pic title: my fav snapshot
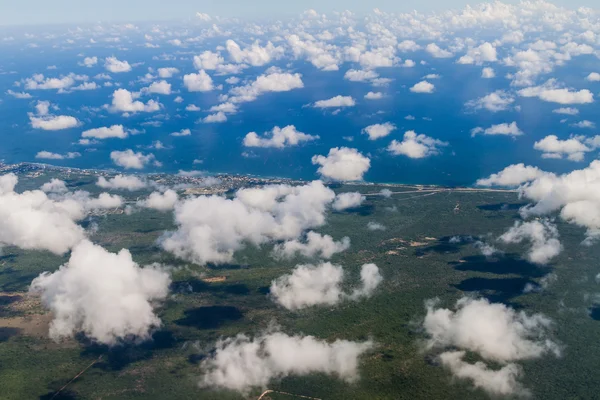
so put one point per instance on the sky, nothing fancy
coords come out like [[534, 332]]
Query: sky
[[72, 11]]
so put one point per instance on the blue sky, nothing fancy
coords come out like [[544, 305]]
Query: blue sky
[[72, 11]]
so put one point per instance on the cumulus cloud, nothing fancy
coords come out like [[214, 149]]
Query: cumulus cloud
[[494, 102], [160, 87], [551, 92], [114, 65], [415, 145], [215, 118], [164, 201], [105, 132], [55, 156], [593, 77], [543, 236], [374, 96], [314, 245], [342, 164], [513, 175], [485, 52], [336, 102], [255, 54], [123, 101], [494, 331], [566, 111], [77, 295], [504, 129], [122, 182], [53, 122], [167, 72], [488, 73], [347, 200], [129, 159], [89, 62], [377, 131], [212, 228], [278, 138], [200, 82], [423, 87], [183, 132], [241, 363], [273, 82], [360, 75], [312, 285], [573, 148], [438, 52]]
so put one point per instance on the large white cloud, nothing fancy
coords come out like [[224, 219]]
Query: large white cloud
[[212, 228], [53, 122], [164, 201], [105, 132], [513, 175], [415, 145], [573, 148], [114, 65], [124, 101], [485, 52], [255, 55], [107, 296], [273, 82], [346, 200], [543, 236], [200, 82], [342, 164], [552, 92], [311, 285], [241, 363], [278, 138]]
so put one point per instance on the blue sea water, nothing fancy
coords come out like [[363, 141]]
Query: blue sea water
[[441, 115]]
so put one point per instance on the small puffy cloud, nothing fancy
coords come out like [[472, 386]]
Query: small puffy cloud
[[167, 72], [46, 155], [129, 159], [374, 96], [423, 87], [513, 175], [486, 52], [200, 82], [494, 102], [160, 201], [488, 73], [312, 285], [203, 17], [314, 245], [408, 45], [551, 92], [438, 52], [255, 54], [342, 164], [543, 236], [89, 62], [336, 102], [114, 65], [123, 101], [161, 87], [241, 363], [19, 95], [54, 186], [504, 129], [105, 132], [552, 147], [278, 138], [183, 132], [122, 182], [273, 82], [375, 226], [566, 111], [53, 122], [377, 131], [215, 118], [347, 200], [77, 295], [208, 61], [360, 75], [40, 82], [593, 77], [415, 145], [584, 124]]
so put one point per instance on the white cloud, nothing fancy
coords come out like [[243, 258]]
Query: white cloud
[[360, 75], [39, 82], [278, 138], [54, 156], [438, 52], [213, 228], [53, 122], [54, 186], [161, 87], [114, 131], [254, 55], [183, 132], [19, 95], [112, 64], [504, 129], [566, 111], [584, 124], [494, 102], [488, 73], [167, 72], [123, 101], [215, 118], [408, 45], [313, 285], [415, 145], [200, 82], [486, 52], [160, 201], [120, 182], [241, 363], [208, 61], [129, 159], [89, 62], [593, 77], [336, 102], [342, 164], [513, 175], [543, 236], [551, 92], [77, 295], [377, 131], [374, 96], [375, 226], [314, 245], [273, 82], [346, 200], [573, 148], [423, 87]]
